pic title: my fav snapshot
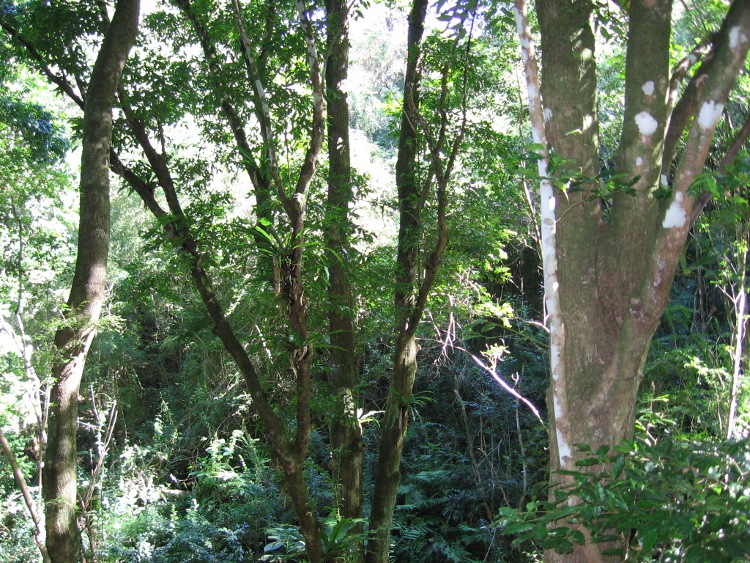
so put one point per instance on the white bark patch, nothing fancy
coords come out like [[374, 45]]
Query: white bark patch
[[523, 39], [547, 114], [664, 181], [639, 161], [519, 23], [736, 37], [646, 123], [709, 114], [532, 91], [676, 217], [648, 88]]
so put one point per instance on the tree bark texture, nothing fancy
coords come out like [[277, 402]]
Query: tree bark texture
[[87, 290], [394, 424], [346, 435], [614, 261]]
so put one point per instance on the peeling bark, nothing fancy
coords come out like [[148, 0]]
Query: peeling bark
[[548, 230]]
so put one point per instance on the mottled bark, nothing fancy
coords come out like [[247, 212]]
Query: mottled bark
[[736, 295], [615, 264], [346, 435], [394, 424], [87, 291]]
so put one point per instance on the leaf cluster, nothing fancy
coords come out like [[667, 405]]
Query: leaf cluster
[[670, 501]]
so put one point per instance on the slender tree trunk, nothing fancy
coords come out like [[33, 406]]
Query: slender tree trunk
[[394, 425], [346, 434], [739, 303], [30, 505], [87, 291], [290, 451]]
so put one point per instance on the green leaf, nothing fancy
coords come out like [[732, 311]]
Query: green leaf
[[517, 528], [539, 532]]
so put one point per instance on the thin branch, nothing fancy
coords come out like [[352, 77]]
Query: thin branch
[[264, 114], [235, 124], [505, 385], [35, 55], [21, 484], [737, 144], [319, 104], [442, 173]]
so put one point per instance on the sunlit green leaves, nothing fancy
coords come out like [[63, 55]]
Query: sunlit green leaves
[[672, 499]]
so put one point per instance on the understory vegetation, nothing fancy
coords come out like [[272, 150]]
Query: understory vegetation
[[176, 464]]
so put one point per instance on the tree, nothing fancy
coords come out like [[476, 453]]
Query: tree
[[87, 290], [414, 271], [609, 262], [346, 434]]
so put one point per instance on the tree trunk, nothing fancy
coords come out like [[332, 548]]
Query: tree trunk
[[394, 425], [738, 297], [87, 291], [346, 434], [609, 265]]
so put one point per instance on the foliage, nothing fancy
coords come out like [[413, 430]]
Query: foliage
[[670, 501], [286, 543], [188, 477], [222, 517]]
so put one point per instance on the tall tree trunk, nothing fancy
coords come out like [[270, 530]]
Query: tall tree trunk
[[608, 270], [87, 291], [346, 434], [394, 424]]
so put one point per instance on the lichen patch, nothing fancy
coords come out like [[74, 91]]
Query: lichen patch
[[736, 37], [709, 114], [676, 217], [646, 123]]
